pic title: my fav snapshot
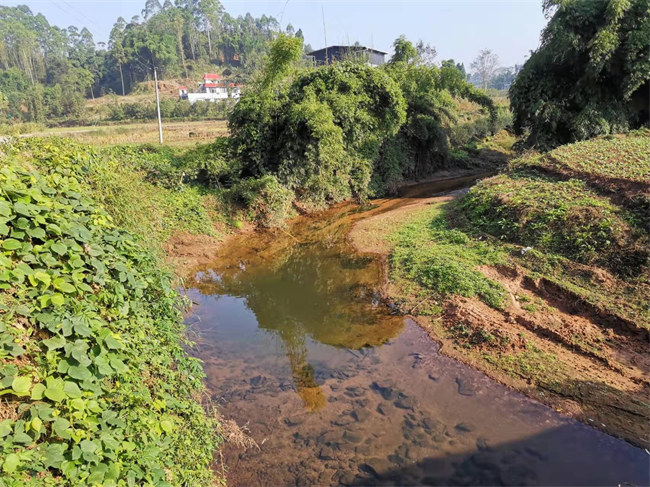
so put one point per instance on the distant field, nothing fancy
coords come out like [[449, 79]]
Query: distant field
[[174, 133]]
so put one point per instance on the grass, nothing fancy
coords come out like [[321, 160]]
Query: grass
[[620, 157], [567, 216], [444, 260], [133, 185], [176, 134]]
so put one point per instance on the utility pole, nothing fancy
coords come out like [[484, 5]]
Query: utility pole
[[155, 78]]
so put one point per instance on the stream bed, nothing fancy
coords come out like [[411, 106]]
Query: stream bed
[[335, 388]]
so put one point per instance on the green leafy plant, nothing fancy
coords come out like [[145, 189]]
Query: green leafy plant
[[99, 388]]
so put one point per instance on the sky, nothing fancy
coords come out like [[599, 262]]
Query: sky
[[458, 29]]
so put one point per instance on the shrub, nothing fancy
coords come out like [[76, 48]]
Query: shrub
[[269, 203]]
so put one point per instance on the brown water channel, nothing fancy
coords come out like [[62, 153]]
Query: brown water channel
[[336, 389]]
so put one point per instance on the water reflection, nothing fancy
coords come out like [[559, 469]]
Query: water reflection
[[312, 292]]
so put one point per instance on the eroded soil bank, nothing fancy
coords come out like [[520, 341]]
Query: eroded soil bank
[[558, 349], [337, 387]]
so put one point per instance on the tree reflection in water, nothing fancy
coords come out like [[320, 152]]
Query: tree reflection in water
[[307, 290]]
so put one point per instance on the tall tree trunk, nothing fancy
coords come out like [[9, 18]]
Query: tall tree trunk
[[209, 41], [122, 78], [179, 35]]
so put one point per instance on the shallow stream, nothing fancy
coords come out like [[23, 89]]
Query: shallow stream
[[337, 389]]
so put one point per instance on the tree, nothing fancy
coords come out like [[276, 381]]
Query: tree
[[117, 48], [485, 66], [590, 75], [426, 52], [404, 51]]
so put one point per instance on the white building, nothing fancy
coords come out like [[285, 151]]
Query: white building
[[213, 89]]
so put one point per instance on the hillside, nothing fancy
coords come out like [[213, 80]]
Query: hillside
[[539, 276]]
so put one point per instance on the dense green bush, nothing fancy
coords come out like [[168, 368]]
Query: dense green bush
[[267, 202], [170, 109], [590, 76], [138, 185], [346, 129], [318, 131], [99, 389]]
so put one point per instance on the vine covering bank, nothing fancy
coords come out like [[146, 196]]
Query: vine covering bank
[[97, 387]]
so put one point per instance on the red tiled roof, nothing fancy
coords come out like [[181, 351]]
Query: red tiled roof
[[211, 76], [182, 87], [213, 85]]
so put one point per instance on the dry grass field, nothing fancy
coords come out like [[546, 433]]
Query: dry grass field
[[174, 133]]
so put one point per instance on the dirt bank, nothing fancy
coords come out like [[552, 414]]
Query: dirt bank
[[544, 342]]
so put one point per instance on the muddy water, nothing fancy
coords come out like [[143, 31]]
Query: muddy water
[[336, 389]]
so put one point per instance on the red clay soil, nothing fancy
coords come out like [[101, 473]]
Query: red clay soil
[[546, 342]]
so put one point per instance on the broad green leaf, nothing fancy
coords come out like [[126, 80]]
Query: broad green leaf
[[37, 391], [54, 389], [59, 248], [5, 427], [36, 424], [11, 463], [11, 244], [43, 277], [37, 232], [54, 454], [113, 343], [21, 385], [54, 342], [72, 389], [79, 372], [57, 299], [167, 426], [63, 286], [60, 427], [119, 366]]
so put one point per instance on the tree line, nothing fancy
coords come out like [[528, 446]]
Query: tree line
[[48, 72]]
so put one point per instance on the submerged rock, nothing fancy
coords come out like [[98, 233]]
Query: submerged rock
[[405, 402], [464, 427], [377, 466], [464, 387]]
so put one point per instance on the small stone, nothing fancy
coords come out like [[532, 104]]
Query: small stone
[[343, 420], [294, 420], [377, 466], [405, 402], [354, 391], [481, 444], [352, 437], [464, 427], [258, 381], [347, 478], [326, 453], [361, 415], [385, 390], [384, 408], [434, 378], [464, 388], [330, 437]]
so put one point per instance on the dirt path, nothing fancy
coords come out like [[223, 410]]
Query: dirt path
[[545, 343]]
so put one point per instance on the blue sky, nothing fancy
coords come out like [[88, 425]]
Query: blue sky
[[457, 28]]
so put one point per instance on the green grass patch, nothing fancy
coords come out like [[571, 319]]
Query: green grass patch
[[151, 191], [530, 363], [444, 260], [565, 217], [619, 157], [97, 385]]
